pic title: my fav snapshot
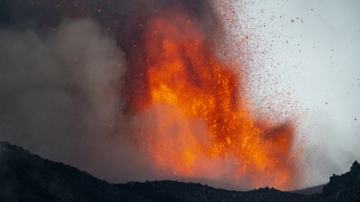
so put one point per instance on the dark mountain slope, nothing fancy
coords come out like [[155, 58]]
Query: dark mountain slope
[[310, 190], [27, 177], [161, 191]]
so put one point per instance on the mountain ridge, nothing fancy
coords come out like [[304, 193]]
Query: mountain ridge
[[28, 177]]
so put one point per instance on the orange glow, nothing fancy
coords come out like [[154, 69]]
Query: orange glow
[[201, 124]]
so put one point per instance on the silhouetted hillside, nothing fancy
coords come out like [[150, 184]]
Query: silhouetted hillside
[[28, 177]]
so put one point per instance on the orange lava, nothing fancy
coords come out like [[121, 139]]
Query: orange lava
[[201, 124]]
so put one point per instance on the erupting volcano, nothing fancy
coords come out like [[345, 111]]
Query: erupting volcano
[[195, 120], [144, 83]]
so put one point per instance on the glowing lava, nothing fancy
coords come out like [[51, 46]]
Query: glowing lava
[[199, 124]]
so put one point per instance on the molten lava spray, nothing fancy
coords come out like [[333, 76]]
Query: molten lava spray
[[196, 122], [138, 90]]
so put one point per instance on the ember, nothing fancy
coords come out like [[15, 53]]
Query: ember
[[197, 121], [160, 88]]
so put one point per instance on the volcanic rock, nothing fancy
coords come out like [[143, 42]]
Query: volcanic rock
[[193, 192], [28, 177], [345, 187]]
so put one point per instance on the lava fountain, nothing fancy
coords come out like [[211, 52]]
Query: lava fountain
[[184, 99], [196, 122]]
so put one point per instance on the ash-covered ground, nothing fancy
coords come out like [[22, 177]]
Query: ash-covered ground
[[28, 177]]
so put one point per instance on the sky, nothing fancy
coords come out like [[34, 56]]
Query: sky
[[319, 61]]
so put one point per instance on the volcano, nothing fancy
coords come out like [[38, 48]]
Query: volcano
[[161, 77]]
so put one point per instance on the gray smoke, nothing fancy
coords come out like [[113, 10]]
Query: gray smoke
[[62, 67], [59, 97]]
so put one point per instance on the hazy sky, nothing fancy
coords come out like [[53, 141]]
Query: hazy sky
[[320, 64]]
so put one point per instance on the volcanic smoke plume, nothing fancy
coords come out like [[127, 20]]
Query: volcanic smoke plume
[[137, 90]]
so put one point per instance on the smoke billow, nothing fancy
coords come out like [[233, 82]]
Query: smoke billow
[[59, 94], [62, 65]]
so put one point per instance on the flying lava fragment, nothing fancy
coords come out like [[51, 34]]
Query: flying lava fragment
[[199, 125]]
